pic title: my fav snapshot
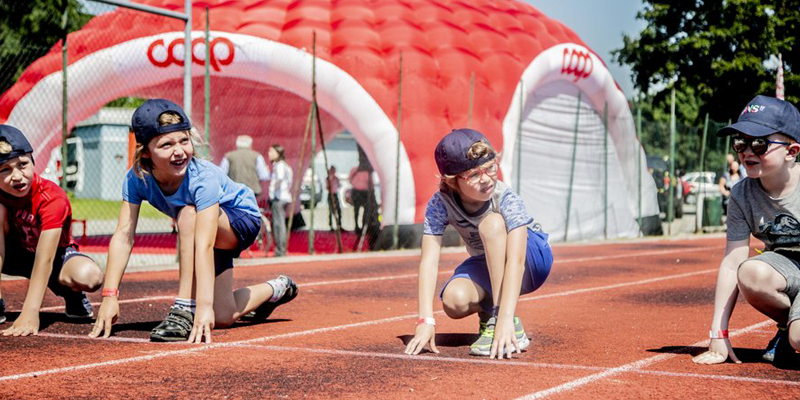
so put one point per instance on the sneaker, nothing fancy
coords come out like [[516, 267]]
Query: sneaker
[[263, 311], [175, 328], [78, 307], [483, 346], [2, 311]]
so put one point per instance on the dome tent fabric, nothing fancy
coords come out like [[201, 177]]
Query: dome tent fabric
[[261, 66]]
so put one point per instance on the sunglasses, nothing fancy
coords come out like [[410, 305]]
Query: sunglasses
[[475, 174], [759, 145]]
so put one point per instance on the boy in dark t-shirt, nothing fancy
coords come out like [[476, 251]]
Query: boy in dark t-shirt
[[35, 239], [766, 204]]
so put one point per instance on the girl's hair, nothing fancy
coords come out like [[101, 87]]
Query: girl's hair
[[447, 183], [142, 165], [280, 150]]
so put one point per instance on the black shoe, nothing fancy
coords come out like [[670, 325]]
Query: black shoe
[[2, 311], [265, 309], [78, 306], [175, 328]]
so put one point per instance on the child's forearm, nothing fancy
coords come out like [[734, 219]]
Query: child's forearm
[[42, 268], [204, 273], [428, 269], [509, 294], [119, 252], [727, 290]]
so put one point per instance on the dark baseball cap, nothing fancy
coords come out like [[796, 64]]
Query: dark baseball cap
[[19, 144], [451, 152], [145, 120], [765, 115]]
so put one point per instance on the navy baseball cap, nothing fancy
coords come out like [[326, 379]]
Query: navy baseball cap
[[451, 152], [145, 120], [764, 116], [19, 144]]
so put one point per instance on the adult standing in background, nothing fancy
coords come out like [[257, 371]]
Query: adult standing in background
[[362, 191], [245, 165], [279, 196]]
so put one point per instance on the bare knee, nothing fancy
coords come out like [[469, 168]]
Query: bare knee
[[492, 226], [223, 321], [84, 275], [794, 334], [186, 219], [757, 277], [456, 302]]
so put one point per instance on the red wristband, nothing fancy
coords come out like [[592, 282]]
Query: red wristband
[[720, 334], [110, 292], [428, 320]]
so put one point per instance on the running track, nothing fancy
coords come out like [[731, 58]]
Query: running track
[[613, 321]]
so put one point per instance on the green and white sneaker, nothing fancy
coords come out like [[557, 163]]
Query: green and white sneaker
[[483, 346]]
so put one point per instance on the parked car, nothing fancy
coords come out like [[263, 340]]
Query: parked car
[[305, 189], [659, 169], [700, 182]]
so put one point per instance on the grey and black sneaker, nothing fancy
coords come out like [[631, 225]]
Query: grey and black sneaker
[[2, 311], [175, 328], [483, 346], [78, 306], [263, 311]]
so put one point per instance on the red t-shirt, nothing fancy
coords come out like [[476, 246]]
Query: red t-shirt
[[45, 207]]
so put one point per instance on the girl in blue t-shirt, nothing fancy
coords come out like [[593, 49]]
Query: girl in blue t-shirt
[[509, 254], [216, 219]]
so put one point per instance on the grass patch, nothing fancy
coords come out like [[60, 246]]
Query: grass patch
[[93, 209]]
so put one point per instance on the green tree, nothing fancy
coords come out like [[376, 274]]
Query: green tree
[[722, 50], [29, 29]]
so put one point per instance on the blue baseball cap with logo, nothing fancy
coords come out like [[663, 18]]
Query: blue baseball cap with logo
[[145, 120], [19, 143], [765, 115], [451, 152]]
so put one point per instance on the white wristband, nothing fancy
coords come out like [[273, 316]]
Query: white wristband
[[427, 320]]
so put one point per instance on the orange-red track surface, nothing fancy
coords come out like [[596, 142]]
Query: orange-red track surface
[[613, 321]]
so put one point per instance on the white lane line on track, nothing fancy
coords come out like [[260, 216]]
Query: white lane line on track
[[471, 360], [631, 367], [501, 363], [308, 332], [407, 276]]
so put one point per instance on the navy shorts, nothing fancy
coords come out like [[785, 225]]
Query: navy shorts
[[538, 260], [19, 262], [246, 227]]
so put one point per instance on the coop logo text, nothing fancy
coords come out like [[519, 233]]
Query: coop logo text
[[577, 63], [163, 55]]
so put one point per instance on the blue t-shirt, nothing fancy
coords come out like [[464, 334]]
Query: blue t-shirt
[[203, 186]]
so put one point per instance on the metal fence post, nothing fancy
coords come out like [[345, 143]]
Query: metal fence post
[[572, 167]]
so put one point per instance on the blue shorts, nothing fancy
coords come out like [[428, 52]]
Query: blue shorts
[[538, 260], [246, 227]]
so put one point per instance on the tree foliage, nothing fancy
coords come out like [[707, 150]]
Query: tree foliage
[[29, 29], [722, 50]]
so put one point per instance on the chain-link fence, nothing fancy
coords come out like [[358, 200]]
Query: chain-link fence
[[335, 186]]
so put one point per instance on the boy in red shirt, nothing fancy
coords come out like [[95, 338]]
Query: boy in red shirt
[[35, 239]]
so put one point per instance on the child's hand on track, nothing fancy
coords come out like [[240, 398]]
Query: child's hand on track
[[107, 316], [426, 333], [504, 339], [26, 324], [718, 352], [203, 324]]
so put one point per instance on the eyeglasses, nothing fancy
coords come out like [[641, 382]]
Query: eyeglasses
[[475, 174], [759, 145]]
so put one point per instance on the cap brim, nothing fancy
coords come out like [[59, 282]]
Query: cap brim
[[748, 128]]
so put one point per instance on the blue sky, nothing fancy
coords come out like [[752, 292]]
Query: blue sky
[[600, 24]]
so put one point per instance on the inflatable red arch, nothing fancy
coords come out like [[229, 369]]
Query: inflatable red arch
[[262, 48]]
